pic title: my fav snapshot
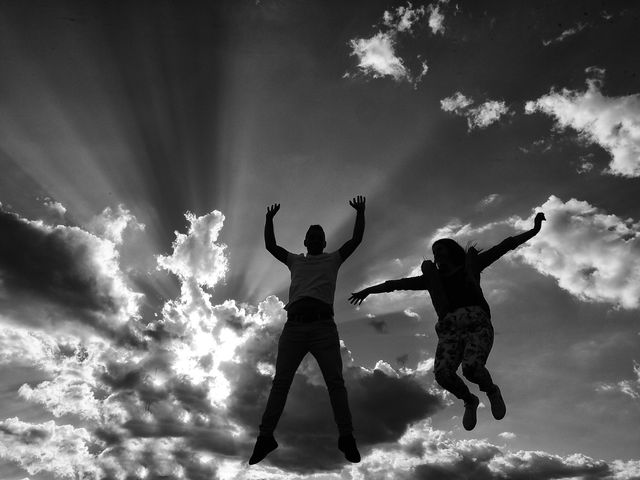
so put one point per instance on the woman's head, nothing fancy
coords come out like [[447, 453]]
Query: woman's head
[[447, 253]]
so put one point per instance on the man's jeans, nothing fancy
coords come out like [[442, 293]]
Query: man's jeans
[[319, 337]]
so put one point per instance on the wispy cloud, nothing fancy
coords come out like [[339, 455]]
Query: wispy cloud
[[627, 387], [611, 122], [569, 32], [477, 117]]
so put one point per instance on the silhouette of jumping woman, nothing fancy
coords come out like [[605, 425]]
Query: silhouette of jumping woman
[[310, 328], [465, 333]]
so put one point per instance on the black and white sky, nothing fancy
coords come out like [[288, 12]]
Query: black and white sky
[[140, 144]]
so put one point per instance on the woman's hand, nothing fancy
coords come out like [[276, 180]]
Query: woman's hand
[[358, 297]]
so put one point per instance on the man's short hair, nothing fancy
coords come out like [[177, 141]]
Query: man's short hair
[[317, 228]]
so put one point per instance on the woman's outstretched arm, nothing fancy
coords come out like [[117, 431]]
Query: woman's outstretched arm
[[487, 257]]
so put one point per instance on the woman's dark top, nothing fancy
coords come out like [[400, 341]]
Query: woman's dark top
[[462, 288]]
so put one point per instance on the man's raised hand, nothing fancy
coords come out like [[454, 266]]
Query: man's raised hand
[[272, 210], [358, 203]]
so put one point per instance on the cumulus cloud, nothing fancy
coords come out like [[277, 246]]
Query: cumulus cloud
[[436, 19], [593, 255], [477, 117], [61, 450], [60, 274], [378, 56], [403, 18], [611, 122], [196, 254], [188, 404]]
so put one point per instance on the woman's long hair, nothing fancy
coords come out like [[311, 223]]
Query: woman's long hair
[[465, 257], [456, 252]]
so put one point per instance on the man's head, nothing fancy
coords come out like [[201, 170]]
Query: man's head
[[315, 240]]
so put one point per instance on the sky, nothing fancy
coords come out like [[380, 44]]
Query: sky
[[140, 145]]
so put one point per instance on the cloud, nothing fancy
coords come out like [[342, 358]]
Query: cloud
[[491, 199], [403, 18], [424, 452], [188, 404], [593, 255], [60, 274], [377, 55], [60, 450], [627, 387], [610, 122], [55, 207], [196, 254], [436, 19], [507, 435], [569, 32], [477, 117]]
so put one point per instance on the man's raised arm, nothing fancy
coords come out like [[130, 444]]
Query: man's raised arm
[[358, 230], [270, 237]]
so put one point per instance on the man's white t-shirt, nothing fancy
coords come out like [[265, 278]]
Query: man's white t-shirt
[[313, 276]]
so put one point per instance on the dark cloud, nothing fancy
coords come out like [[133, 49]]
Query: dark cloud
[[379, 326], [473, 462], [52, 275]]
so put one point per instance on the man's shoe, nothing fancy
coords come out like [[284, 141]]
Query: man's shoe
[[264, 446], [498, 408], [469, 419], [347, 444]]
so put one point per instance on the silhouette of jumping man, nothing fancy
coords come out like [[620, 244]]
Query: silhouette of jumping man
[[465, 333], [310, 328]]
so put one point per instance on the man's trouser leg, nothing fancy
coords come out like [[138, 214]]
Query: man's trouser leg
[[292, 347], [325, 347]]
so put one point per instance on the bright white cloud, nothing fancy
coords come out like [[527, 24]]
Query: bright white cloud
[[403, 18], [507, 435], [611, 122], [55, 207], [436, 19], [196, 255], [377, 56], [456, 103], [477, 117], [190, 398], [593, 255], [61, 450], [111, 224], [487, 113]]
